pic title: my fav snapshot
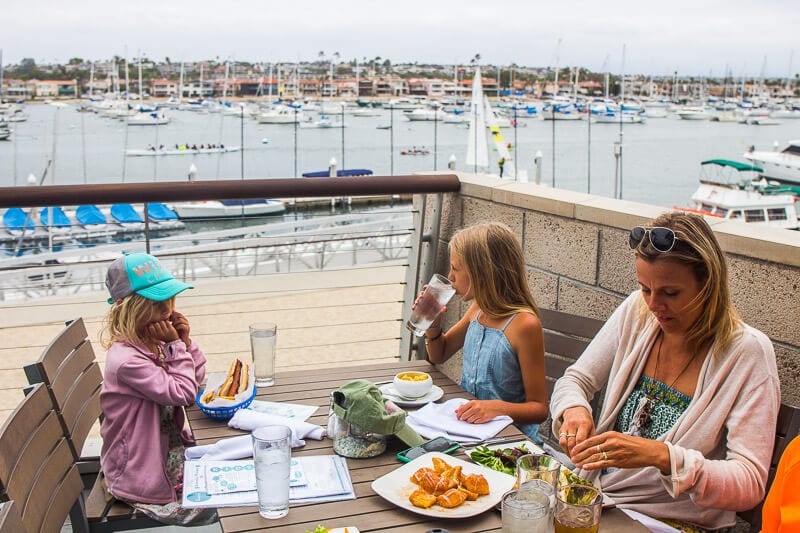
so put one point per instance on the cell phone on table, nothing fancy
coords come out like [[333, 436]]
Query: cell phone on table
[[439, 444]]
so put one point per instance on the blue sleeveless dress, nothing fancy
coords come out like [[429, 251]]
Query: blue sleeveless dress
[[491, 371]]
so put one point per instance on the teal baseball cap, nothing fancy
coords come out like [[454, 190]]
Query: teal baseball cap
[[144, 275]]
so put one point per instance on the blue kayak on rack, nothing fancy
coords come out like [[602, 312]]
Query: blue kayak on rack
[[90, 215], [125, 214], [60, 218], [160, 212], [15, 219]]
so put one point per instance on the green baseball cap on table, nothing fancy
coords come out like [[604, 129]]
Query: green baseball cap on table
[[361, 403]]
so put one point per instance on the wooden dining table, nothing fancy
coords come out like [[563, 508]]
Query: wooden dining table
[[369, 511]]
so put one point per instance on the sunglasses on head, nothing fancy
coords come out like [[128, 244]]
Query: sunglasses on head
[[662, 239]]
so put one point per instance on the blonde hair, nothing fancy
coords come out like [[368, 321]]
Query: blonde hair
[[697, 247], [119, 325], [494, 260]]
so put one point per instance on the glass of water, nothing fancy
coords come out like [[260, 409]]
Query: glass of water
[[527, 511], [272, 455], [262, 344]]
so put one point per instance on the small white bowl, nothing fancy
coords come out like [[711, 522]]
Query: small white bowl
[[412, 384]]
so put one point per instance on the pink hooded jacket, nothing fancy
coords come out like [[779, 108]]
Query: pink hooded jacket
[[134, 386]]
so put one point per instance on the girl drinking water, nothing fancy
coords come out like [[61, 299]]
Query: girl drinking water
[[500, 333]]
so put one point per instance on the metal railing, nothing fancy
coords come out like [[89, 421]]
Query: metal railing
[[358, 238]]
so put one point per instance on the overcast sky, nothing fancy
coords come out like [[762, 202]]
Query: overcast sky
[[692, 37]]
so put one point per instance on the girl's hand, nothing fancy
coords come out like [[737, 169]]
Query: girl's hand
[[478, 411], [163, 330], [181, 325], [576, 428], [621, 451]]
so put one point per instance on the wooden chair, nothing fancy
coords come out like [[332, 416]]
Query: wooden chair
[[788, 427], [73, 378], [72, 375], [566, 336], [37, 469]]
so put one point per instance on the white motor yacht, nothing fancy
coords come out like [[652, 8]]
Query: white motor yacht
[[723, 194], [783, 165]]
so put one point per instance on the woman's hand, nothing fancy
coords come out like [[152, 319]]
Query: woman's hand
[[479, 411], [181, 325], [163, 330], [578, 425], [613, 449]]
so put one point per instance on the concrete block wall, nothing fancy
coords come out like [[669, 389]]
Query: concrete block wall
[[579, 261]]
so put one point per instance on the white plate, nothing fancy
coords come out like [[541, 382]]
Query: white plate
[[396, 487], [389, 392], [531, 446]]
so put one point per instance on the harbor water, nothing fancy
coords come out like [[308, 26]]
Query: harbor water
[[659, 162]]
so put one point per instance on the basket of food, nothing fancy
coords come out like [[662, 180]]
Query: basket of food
[[227, 393]]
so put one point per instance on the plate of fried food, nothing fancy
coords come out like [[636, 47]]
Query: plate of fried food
[[441, 486]]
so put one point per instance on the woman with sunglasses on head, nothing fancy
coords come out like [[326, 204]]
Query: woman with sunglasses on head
[[687, 424]]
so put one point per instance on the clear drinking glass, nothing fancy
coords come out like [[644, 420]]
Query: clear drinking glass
[[272, 456], [578, 509], [262, 344], [527, 511], [538, 466], [435, 296]]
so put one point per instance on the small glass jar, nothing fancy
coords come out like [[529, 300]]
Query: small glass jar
[[352, 441]]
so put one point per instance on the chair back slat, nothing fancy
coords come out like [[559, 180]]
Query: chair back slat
[[63, 344], [73, 364], [49, 488], [20, 429], [10, 519], [81, 408]]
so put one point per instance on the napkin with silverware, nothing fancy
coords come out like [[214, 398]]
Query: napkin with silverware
[[437, 419], [242, 446]]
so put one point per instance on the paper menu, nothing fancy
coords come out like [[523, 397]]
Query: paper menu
[[326, 479], [223, 477], [289, 410]]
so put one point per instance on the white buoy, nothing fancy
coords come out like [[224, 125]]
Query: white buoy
[[192, 172], [451, 163]]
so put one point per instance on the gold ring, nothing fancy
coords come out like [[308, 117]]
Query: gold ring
[[570, 435], [605, 456]]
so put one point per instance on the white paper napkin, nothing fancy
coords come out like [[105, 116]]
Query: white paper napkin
[[440, 419], [224, 449], [249, 420]]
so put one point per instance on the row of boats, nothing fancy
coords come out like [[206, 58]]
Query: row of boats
[[91, 221]]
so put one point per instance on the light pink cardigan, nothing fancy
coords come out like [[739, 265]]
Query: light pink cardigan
[[134, 449], [720, 448]]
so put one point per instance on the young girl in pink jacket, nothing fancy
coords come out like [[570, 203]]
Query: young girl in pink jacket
[[153, 370]]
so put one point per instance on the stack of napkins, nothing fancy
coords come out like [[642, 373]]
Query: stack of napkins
[[439, 419]]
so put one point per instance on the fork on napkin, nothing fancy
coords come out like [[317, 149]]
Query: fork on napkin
[[242, 446], [435, 419]]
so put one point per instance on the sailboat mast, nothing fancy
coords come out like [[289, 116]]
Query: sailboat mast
[[141, 103], [180, 85], [1, 76], [91, 79]]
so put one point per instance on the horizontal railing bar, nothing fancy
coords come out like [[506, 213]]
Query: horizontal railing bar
[[51, 195]]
